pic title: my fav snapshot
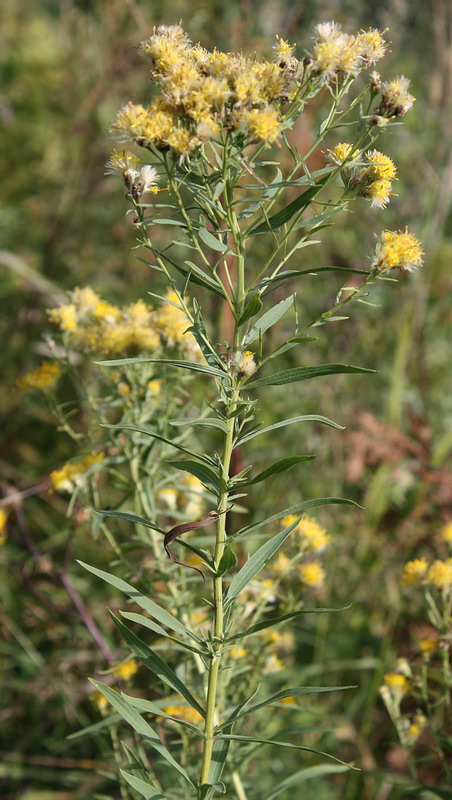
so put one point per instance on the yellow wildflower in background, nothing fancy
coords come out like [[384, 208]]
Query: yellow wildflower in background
[[398, 684], [440, 574], [339, 153], [281, 564], [72, 473], [427, 646], [43, 377], [272, 664], [397, 249], [101, 702], [126, 670], [3, 528], [186, 713], [237, 651], [415, 729], [312, 574], [446, 532], [414, 572], [171, 324], [312, 535]]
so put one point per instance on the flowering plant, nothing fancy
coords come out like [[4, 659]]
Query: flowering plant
[[206, 130]]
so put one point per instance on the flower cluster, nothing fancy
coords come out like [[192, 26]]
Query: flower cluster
[[73, 473], [203, 93], [420, 572], [338, 54], [311, 540], [95, 326], [397, 249], [369, 173], [43, 377]]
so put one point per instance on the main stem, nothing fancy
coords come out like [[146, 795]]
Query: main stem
[[218, 630]]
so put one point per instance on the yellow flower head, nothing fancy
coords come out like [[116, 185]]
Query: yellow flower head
[[244, 363], [340, 153], [397, 249], [283, 51], [446, 532], [186, 713], [427, 646], [414, 572], [312, 574], [272, 664], [281, 564], [440, 574], [312, 535], [73, 474], [44, 377], [395, 97], [381, 166], [3, 528], [335, 52], [264, 124], [398, 683], [99, 701], [372, 46], [415, 729], [126, 670]]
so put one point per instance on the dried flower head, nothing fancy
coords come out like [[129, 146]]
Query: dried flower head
[[395, 98]]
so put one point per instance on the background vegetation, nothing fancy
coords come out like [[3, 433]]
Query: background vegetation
[[66, 68]]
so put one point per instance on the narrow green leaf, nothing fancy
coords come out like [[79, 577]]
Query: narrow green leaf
[[305, 373], [287, 744], [200, 471], [252, 308], [275, 698], [317, 771], [152, 626], [148, 605], [298, 509], [103, 723], [196, 274], [305, 418], [228, 561], [257, 561], [152, 708], [279, 466], [154, 435], [267, 320], [170, 362], [281, 217], [156, 665], [269, 623], [202, 422], [127, 515], [296, 273], [211, 241], [130, 715], [142, 786]]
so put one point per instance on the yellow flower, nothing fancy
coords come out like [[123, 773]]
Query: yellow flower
[[72, 474], [339, 153], [414, 572], [65, 317], [186, 713], [264, 124], [126, 670], [335, 52], [312, 574], [397, 249], [372, 46], [283, 51], [168, 497], [281, 564], [312, 535], [382, 166], [415, 729], [99, 701], [440, 574], [238, 652], [283, 641], [44, 377], [427, 646], [395, 97], [446, 532], [289, 520], [373, 181], [3, 528], [398, 684]]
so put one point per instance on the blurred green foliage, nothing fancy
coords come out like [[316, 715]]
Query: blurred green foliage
[[66, 68]]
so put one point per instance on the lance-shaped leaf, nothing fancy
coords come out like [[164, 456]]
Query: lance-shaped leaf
[[156, 665], [298, 509], [268, 319], [287, 744], [257, 561], [151, 708], [154, 435], [142, 785], [269, 623], [170, 362], [211, 241], [103, 723], [279, 466], [158, 613], [202, 422], [306, 418], [197, 276], [152, 626], [252, 308], [275, 222], [316, 771], [275, 698], [200, 471], [305, 373], [132, 716]]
